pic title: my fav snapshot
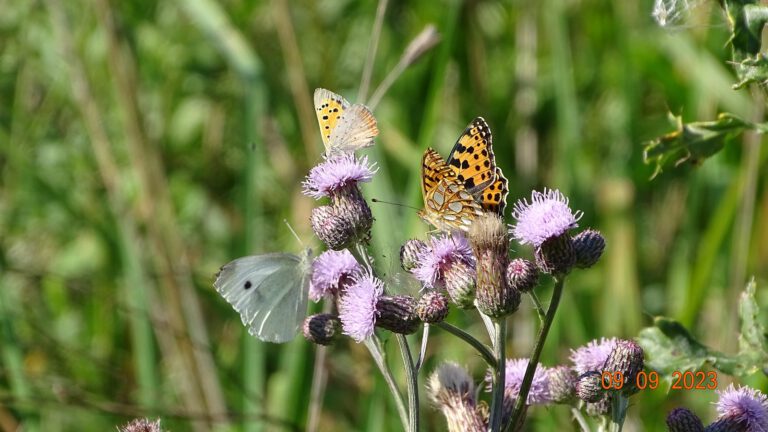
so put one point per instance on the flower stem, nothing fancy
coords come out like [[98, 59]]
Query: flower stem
[[525, 387], [579, 417], [468, 338], [497, 403], [619, 404], [372, 343], [423, 351], [539, 307], [413, 383]]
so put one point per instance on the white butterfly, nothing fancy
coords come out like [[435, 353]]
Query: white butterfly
[[269, 292], [345, 127]]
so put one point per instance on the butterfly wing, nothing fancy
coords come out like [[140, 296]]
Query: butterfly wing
[[472, 157], [329, 108], [447, 205], [355, 130], [494, 197], [269, 292]]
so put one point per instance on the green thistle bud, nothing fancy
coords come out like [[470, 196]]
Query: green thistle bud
[[460, 285], [556, 255], [322, 329], [432, 307], [489, 239], [522, 275], [397, 314], [683, 420], [562, 384], [411, 252], [589, 245], [589, 387]]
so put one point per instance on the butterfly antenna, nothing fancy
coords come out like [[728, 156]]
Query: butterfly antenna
[[394, 203], [285, 221]]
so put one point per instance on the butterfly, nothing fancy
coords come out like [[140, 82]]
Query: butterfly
[[345, 127], [458, 191], [269, 292]]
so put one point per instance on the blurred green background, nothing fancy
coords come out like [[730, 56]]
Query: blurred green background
[[144, 144]]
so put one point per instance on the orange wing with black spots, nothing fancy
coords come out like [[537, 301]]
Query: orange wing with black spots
[[472, 157], [447, 205], [494, 197], [344, 127]]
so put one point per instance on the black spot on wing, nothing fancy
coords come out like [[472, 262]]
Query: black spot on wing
[[247, 284]]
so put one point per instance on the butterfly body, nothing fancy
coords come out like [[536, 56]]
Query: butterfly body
[[458, 191], [344, 127], [269, 292]]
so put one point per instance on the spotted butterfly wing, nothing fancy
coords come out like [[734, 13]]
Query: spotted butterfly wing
[[344, 127], [447, 205], [269, 292], [494, 197], [472, 157]]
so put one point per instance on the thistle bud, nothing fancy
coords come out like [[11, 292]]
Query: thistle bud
[[490, 243], [627, 358], [411, 252], [322, 329], [460, 284], [397, 314], [335, 231], [556, 255], [683, 420], [727, 425], [588, 245], [432, 307], [562, 384], [452, 390], [589, 387], [522, 275], [351, 206], [599, 408]]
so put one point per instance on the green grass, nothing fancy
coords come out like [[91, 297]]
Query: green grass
[[139, 157]]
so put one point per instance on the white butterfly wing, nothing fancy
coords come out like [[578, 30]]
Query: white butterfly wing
[[269, 292], [356, 130]]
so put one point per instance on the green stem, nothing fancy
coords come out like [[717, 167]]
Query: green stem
[[497, 403], [579, 417], [525, 387], [619, 404], [413, 383], [537, 304], [372, 343], [468, 338]]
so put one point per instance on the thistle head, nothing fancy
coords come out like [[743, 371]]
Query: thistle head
[[357, 306], [331, 271], [397, 314], [432, 307], [684, 420], [745, 407], [322, 329], [588, 246]]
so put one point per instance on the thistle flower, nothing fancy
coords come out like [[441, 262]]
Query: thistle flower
[[626, 357], [744, 407], [683, 420], [545, 217], [142, 425], [592, 356], [432, 307], [522, 275], [357, 306], [490, 244], [322, 329], [588, 245], [331, 271], [513, 379], [337, 173], [589, 387], [561, 382], [397, 314], [449, 263], [444, 251], [452, 390], [411, 252]]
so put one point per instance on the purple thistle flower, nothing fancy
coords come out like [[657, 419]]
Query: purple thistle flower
[[337, 173], [545, 217], [592, 356], [513, 379], [357, 307], [747, 406], [329, 271], [442, 253]]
